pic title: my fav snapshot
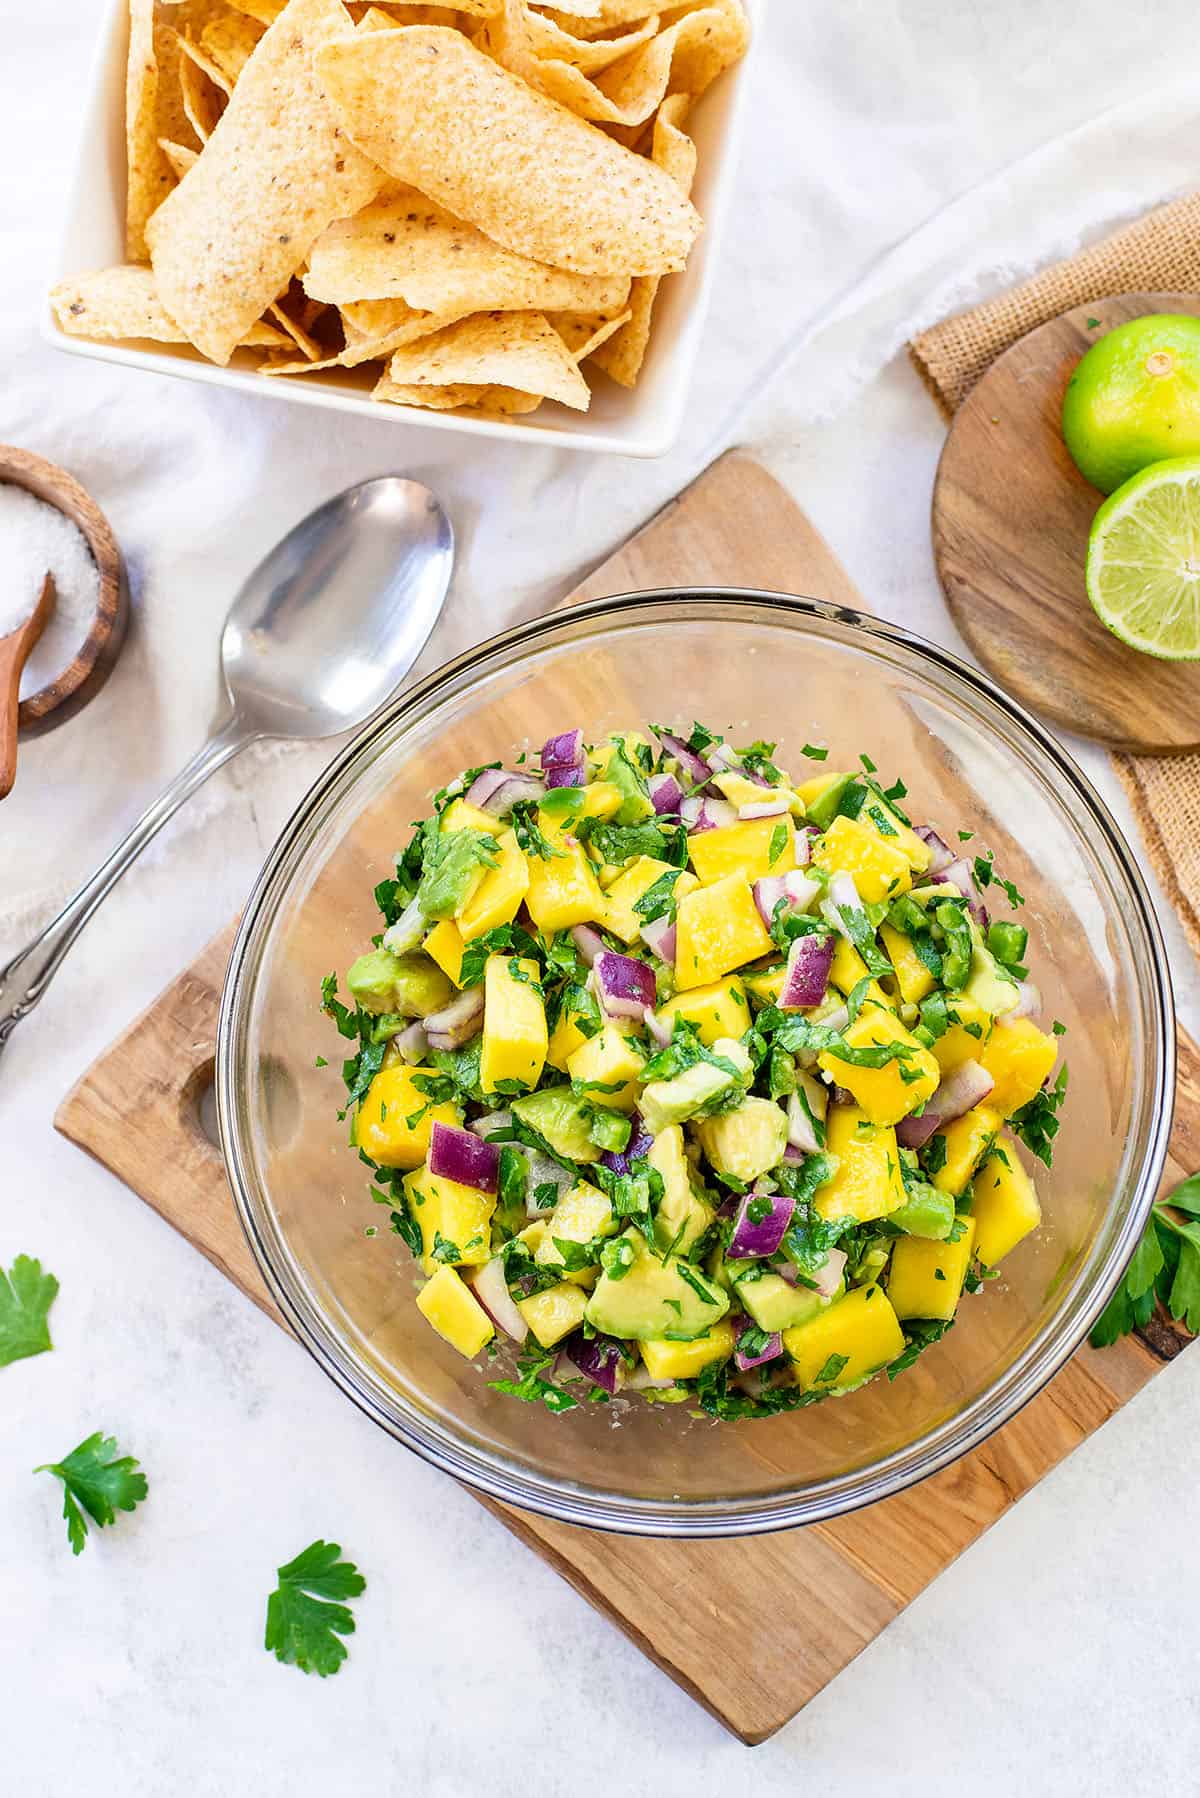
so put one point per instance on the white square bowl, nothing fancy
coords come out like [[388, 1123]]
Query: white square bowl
[[642, 422]]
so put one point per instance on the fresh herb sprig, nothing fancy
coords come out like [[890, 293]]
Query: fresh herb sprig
[[1165, 1270]]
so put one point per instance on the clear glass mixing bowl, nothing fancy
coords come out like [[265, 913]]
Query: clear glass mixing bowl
[[759, 665]]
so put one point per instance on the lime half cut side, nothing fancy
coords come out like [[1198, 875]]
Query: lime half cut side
[[1143, 562]]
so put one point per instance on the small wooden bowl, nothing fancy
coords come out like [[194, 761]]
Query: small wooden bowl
[[83, 678]]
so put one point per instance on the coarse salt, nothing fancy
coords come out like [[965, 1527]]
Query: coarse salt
[[37, 539]]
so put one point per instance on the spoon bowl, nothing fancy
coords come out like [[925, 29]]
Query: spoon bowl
[[332, 617]]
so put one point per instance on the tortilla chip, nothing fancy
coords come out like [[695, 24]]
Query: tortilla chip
[[118, 303], [277, 172], [148, 180], [584, 332], [460, 397], [230, 42], [403, 246], [435, 112], [203, 100], [687, 57], [179, 156], [589, 54], [506, 349], [265, 11], [202, 60], [675, 153], [589, 18], [378, 328], [411, 12]]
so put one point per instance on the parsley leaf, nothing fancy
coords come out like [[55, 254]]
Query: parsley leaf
[[1165, 1267], [532, 1385], [305, 1618], [96, 1480], [1037, 1124], [26, 1295], [813, 753]]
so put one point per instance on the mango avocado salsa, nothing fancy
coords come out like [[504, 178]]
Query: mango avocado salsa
[[693, 1082]]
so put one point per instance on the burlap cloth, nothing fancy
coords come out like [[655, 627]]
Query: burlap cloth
[[1158, 254]]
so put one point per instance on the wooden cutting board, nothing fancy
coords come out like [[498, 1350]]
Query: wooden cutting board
[[706, 1612], [1011, 519]]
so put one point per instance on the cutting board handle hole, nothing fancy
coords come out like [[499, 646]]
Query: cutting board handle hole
[[198, 1104]]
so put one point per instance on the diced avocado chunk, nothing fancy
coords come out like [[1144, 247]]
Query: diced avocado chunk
[[823, 809], [455, 863], [636, 803], [665, 1102], [372, 980], [683, 1217], [771, 1301], [652, 1299], [747, 1142], [562, 1119], [928, 1212], [988, 985]]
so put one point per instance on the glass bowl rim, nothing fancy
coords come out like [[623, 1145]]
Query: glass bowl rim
[[1031, 1370]]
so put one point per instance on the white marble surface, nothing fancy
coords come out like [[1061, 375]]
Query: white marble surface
[[1054, 1657]]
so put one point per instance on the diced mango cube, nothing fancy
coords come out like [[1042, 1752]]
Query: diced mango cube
[[566, 1037], [538, 1240], [879, 870], [497, 898], [684, 1360], [608, 1066], [967, 1140], [460, 814], [563, 889], [582, 1214], [445, 945], [1004, 1203], [970, 1028], [1019, 1057], [514, 1022], [717, 929], [848, 968], [455, 1313], [766, 983], [913, 978], [810, 790], [879, 817], [845, 1344], [455, 1220], [753, 847], [891, 1092], [554, 1313], [926, 1278], [867, 1183], [721, 1009], [395, 1118], [630, 886]]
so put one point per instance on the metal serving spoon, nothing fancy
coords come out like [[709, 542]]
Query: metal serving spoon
[[319, 637]]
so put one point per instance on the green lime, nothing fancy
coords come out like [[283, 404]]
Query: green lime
[[1135, 399], [1143, 562]]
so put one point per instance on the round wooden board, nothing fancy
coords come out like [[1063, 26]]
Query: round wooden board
[[1011, 516]]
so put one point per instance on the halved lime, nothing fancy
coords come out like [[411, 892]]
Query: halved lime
[[1143, 562], [1135, 398]]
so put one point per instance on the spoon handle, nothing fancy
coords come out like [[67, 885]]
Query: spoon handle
[[25, 978]]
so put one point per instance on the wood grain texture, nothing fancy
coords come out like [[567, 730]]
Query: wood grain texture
[[1011, 517], [14, 653], [96, 656], [705, 1612]]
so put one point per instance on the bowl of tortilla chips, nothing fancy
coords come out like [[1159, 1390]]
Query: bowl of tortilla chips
[[498, 216]]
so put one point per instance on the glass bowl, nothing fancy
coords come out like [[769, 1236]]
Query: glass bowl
[[757, 665]]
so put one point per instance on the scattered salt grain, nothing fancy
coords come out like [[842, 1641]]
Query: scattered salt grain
[[36, 539]]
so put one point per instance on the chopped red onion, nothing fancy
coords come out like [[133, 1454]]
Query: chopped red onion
[[802, 844], [544, 1172], [1028, 1005], [497, 790], [765, 808], [491, 1289], [564, 777], [492, 1123], [796, 889], [658, 1027], [842, 892], [793, 1156], [801, 1131], [940, 856], [459, 1155], [598, 1358], [563, 751], [625, 987], [641, 1380], [693, 765], [828, 1276], [966, 1087], [699, 813], [665, 792], [751, 1239], [961, 875], [458, 1023], [807, 981], [407, 931], [720, 755], [741, 1323], [659, 938], [412, 1045], [589, 942]]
